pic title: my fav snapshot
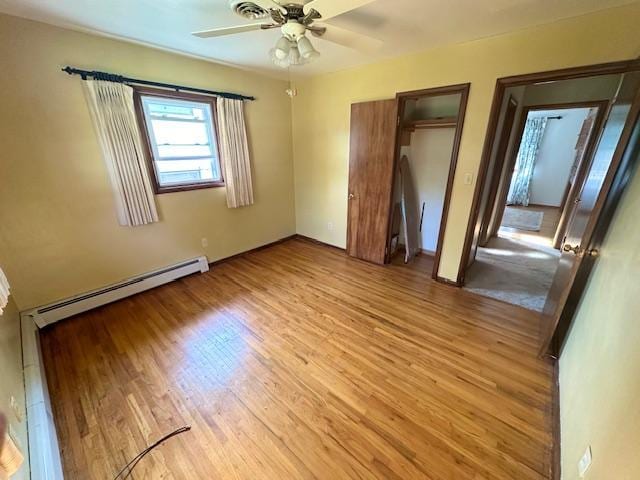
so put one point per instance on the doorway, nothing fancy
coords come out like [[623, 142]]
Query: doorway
[[428, 139], [517, 258], [595, 185], [402, 162]]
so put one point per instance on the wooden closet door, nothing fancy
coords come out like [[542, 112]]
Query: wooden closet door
[[372, 149]]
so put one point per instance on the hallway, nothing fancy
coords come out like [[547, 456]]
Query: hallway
[[518, 265], [514, 271]]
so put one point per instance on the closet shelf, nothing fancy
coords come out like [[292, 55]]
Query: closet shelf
[[441, 122]]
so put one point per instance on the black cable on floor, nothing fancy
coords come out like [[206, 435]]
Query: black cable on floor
[[134, 461]]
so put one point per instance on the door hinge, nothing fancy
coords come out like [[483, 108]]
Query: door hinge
[[398, 121]]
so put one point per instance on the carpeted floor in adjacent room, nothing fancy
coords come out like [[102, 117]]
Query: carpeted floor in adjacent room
[[513, 271]]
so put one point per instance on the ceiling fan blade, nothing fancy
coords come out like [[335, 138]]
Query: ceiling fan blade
[[219, 32], [270, 4], [348, 38], [333, 8]]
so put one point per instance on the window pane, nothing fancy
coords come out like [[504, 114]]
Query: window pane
[[182, 139], [173, 151], [158, 109], [186, 171], [168, 132]]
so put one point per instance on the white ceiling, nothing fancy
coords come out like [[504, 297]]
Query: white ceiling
[[403, 25]]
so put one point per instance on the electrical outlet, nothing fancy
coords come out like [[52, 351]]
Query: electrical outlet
[[330, 226], [204, 242], [585, 462]]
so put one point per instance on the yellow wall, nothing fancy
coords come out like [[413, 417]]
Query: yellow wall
[[12, 382], [59, 235], [600, 363], [58, 232], [321, 109]]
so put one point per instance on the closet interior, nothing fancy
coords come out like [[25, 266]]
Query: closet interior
[[402, 160], [427, 137]]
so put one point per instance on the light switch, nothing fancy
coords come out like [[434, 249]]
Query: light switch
[[468, 178]]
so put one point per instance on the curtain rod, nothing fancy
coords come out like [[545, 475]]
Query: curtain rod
[[110, 77]]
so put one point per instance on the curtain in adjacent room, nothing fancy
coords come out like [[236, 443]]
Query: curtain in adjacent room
[[234, 152], [113, 115], [520, 187]]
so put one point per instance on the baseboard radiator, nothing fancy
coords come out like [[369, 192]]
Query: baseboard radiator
[[44, 453], [53, 312]]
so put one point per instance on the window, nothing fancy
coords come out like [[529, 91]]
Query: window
[[181, 139]]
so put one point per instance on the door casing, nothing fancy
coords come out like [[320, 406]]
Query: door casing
[[402, 97], [502, 190], [501, 85]]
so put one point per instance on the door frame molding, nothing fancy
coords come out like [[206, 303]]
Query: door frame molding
[[502, 156], [514, 81], [401, 98], [601, 105]]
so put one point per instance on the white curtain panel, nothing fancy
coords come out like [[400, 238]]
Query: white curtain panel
[[114, 119], [4, 291], [234, 152]]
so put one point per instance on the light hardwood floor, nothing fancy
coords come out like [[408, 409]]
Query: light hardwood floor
[[298, 362]]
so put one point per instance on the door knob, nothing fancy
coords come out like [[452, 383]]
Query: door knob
[[575, 249], [351, 195]]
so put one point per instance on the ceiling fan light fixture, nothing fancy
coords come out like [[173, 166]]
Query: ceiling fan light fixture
[[306, 49], [294, 56], [280, 62], [296, 19], [293, 59], [283, 48]]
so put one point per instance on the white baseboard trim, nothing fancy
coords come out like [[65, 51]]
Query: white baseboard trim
[[44, 454], [51, 313]]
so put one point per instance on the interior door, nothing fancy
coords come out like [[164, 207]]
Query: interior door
[[487, 230], [371, 164], [612, 144]]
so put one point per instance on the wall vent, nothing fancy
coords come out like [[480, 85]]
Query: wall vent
[[248, 10]]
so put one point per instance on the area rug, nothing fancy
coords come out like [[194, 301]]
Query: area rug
[[522, 219]]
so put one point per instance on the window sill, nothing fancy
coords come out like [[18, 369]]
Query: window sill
[[185, 187]]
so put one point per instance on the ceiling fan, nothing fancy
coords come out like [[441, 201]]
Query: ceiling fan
[[295, 20]]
